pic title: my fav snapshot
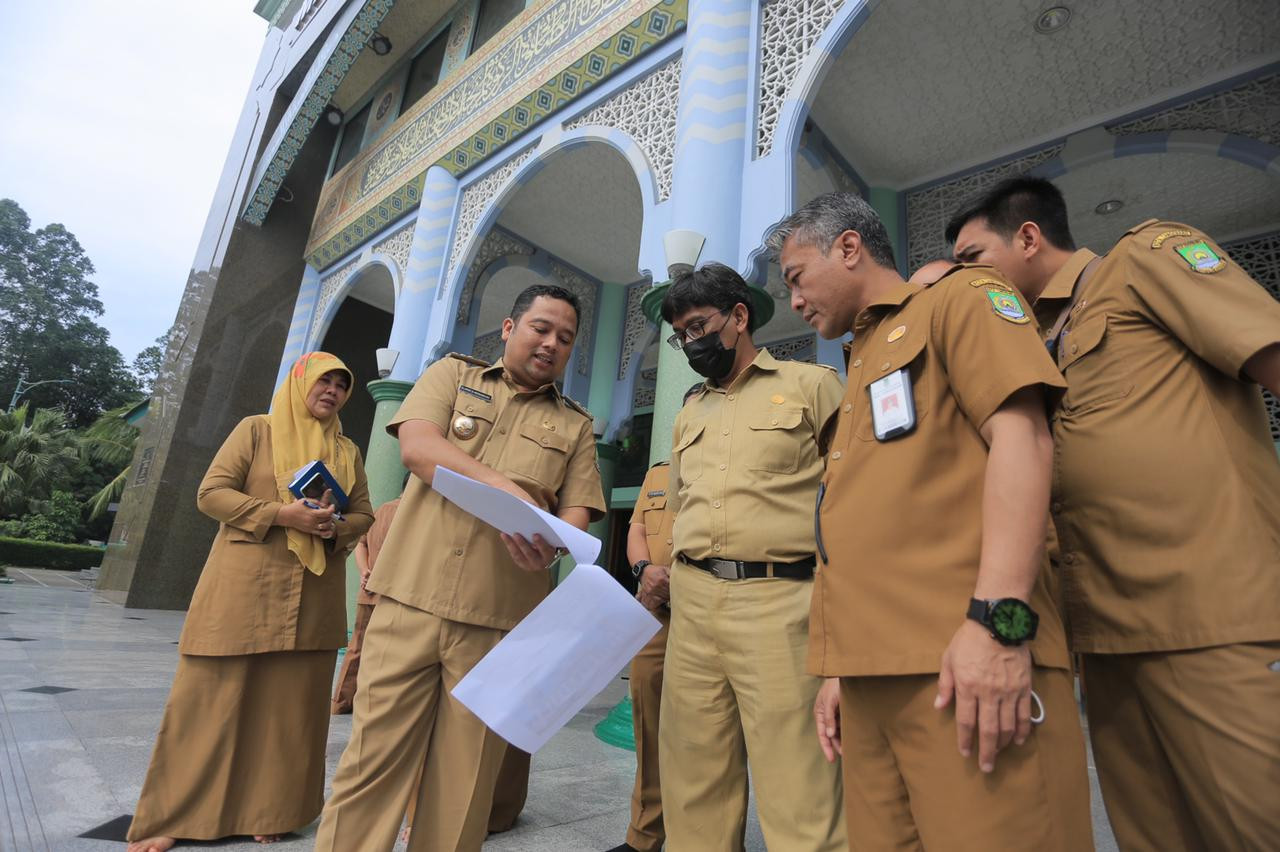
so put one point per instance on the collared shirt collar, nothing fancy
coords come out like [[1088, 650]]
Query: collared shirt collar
[[895, 297], [500, 368], [1063, 282], [762, 361]]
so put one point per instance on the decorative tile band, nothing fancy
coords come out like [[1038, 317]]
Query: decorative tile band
[[335, 70], [347, 212]]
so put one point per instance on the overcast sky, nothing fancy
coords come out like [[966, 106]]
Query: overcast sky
[[115, 119]]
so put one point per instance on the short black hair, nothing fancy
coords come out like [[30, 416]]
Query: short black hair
[[712, 284], [1013, 201], [821, 221], [551, 291]]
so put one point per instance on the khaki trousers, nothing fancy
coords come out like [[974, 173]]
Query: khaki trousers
[[405, 723], [1187, 745], [736, 690], [645, 831], [345, 692], [908, 788]]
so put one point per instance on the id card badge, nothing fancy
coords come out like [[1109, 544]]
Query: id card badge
[[893, 410]]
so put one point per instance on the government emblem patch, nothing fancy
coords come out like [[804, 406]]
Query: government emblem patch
[[1007, 306]]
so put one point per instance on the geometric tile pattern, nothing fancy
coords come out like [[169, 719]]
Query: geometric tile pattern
[[636, 327], [344, 56], [497, 243], [397, 246], [329, 287], [645, 111], [1260, 257], [1249, 109], [802, 347], [475, 200], [466, 123], [585, 289], [487, 347], [788, 30], [606, 58], [646, 390]]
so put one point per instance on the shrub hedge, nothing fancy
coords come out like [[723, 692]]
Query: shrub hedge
[[46, 554]]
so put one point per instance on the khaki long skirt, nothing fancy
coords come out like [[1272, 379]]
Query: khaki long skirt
[[241, 747]]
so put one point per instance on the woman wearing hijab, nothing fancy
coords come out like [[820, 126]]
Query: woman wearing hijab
[[241, 747]]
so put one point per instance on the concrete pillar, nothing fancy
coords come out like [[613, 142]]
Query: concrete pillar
[[888, 204], [426, 265], [711, 144]]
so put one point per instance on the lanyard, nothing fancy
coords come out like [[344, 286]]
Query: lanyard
[[1051, 342]]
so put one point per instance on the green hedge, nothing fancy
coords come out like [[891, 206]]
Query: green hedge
[[46, 554]]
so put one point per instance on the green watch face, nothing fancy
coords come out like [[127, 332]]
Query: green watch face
[[1011, 619]]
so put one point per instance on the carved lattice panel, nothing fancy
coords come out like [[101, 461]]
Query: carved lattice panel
[[788, 30]]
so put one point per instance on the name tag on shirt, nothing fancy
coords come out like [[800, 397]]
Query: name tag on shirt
[[893, 411]]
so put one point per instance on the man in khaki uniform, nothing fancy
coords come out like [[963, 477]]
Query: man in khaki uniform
[[649, 552], [744, 471], [452, 586], [943, 420], [1166, 488]]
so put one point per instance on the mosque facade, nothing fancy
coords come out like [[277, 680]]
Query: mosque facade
[[402, 168]]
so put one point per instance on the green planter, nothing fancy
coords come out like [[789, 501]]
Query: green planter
[[616, 728]]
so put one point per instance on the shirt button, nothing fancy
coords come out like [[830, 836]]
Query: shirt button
[[716, 504], [1069, 558], [502, 430], [857, 362], [1074, 349], [848, 406], [836, 454], [457, 552], [730, 397], [723, 466], [1056, 508], [471, 408], [774, 421], [724, 431], [716, 548], [668, 541], [884, 366]]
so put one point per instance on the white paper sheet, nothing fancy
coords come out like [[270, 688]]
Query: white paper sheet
[[557, 659], [512, 515]]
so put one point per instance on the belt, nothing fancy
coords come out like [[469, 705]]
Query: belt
[[730, 569]]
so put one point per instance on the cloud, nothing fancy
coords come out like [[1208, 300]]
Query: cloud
[[117, 121]]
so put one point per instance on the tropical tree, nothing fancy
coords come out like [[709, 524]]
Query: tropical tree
[[36, 457], [110, 442]]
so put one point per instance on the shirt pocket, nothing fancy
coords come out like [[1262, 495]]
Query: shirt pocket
[[687, 452], [910, 354], [652, 509], [775, 441], [541, 455], [1085, 361]]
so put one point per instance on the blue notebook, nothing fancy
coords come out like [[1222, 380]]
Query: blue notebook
[[313, 480]]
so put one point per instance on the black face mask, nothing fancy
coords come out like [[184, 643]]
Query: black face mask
[[708, 357]]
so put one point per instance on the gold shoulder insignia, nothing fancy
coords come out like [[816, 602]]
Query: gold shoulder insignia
[[991, 282], [475, 362], [576, 406], [1164, 236]]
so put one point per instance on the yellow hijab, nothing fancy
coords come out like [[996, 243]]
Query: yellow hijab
[[298, 438]]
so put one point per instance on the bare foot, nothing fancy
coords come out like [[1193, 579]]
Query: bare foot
[[152, 844], [268, 838]]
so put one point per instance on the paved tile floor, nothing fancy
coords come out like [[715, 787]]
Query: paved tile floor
[[80, 703]]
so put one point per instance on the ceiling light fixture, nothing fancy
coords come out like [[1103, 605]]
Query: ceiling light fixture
[[1108, 207], [333, 115], [381, 44], [1052, 19]]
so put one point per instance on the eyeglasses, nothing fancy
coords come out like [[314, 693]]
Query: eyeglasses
[[693, 331]]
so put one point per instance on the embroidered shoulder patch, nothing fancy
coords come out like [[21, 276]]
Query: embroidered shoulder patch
[[1166, 235], [1200, 257], [991, 282], [1007, 306]]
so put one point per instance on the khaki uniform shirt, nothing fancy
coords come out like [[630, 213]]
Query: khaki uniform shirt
[[254, 596], [1166, 484], [445, 561], [374, 539], [651, 510], [901, 520], [746, 464]]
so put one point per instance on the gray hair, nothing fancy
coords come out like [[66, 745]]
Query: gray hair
[[821, 221]]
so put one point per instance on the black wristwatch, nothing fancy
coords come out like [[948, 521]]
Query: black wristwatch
[[638, 568], [1009, 620]]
